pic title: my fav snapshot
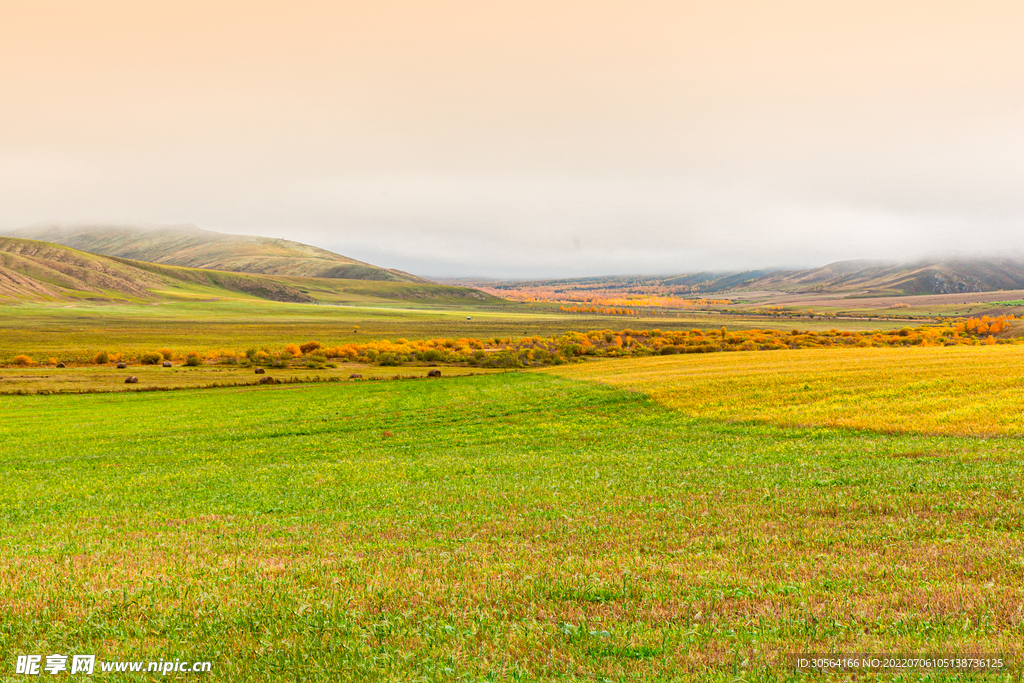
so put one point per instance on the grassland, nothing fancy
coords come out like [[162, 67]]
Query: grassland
[[107, 378], [508, 527], [661, 518], [208, 322], [940, 390]]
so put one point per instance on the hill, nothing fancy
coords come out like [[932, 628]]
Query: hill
[[862, 277], [41, 271], [191, 247], [947, 276], [31, 270]]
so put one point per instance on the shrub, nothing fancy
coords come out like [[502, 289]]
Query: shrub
[[669, 350], [22, 360], [293, 349], [53, 361], [389, 359], [310, 346], [251, 353], [166, 353], [152, 358], [101, 358], [192, 359], [431, 355]]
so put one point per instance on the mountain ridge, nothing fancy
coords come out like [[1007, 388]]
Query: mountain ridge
[[863, 277]]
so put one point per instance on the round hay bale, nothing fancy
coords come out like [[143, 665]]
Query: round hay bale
[[168, 364], [122, 366], [434, 373], [269, 380], [355, 376], [131, 380], [61, 365], [260, 371]]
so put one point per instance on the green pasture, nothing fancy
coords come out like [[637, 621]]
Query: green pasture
[[508, 527]]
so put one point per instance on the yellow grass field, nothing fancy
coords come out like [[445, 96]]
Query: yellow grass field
[[945, 390]]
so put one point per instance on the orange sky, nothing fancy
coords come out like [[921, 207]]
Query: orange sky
[[477, 137]]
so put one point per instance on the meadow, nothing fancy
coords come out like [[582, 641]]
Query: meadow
[[954, 390], [109, 378], [517, 526], [80, 331]]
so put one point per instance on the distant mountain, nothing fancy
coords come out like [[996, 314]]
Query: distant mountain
[[881, 278], [864, 277], [34, 271], [191, 247]]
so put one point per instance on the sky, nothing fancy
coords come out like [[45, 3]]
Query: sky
[[526, 138]]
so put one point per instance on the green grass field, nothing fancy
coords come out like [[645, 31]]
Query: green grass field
[[517, 526]]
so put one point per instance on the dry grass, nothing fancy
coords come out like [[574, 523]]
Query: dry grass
[[945, 390]]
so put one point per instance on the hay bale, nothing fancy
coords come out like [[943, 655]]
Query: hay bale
[[434, 373], [61, 365], [122, 366], [269, 380], [132, 379], [168, 364], [355, 376], [260, 371]]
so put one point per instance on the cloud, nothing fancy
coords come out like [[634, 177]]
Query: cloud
[[531, 138]]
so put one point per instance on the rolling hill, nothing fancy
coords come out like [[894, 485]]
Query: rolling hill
[[880, 278], [191, 247], [860, 277], [35, 271]]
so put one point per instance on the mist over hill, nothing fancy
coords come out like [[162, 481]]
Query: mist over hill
[[192, 247]]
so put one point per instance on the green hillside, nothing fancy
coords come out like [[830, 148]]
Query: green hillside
[[40, 272], [188, 246]]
